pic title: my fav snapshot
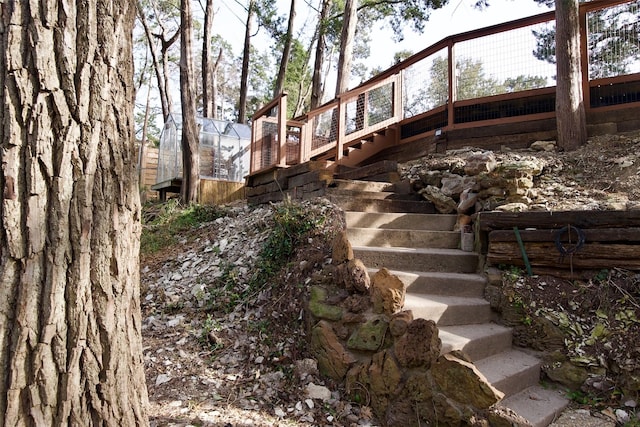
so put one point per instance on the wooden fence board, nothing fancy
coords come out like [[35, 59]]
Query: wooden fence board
[[220, 192]]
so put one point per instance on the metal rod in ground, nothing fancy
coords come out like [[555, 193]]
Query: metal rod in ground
[[523, 251]]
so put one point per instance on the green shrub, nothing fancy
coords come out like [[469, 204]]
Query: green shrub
[[163, 223]]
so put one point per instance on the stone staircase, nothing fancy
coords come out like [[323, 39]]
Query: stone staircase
[[392, 229]]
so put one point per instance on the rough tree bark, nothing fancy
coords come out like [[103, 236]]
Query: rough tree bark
[[70, 323], [244, 75], [316, 81], [349, 24], [286, 52], [208, 107], [190, 138], [570, 111]]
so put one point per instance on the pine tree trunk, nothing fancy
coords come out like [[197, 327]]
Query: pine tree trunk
[[316, 81], [347, 39], [570, 110], [244, 74], [70, 323], [286, 51], [190, 135], [207, 64]]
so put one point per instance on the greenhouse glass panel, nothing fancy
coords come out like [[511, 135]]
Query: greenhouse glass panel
[[224, 149]]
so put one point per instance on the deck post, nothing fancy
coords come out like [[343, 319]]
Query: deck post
[[340, 131], [282, 131], [453, 82]]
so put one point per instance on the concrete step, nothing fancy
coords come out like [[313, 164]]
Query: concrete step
[[351, 203], [403, 238], [448, 310], [412, 259], [435, 222], [540, 406], [476, 341], [510, 371], [440, 283]]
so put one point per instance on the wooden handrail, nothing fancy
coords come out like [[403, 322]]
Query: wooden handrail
[[273, 103], [393, 75]]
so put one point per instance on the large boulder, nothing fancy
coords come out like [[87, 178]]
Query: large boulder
[[333, 360], [568, 374], [443, 203], [354, 276], [452, 184], [419, 346], [341, 251], [387, 292], [468, 200], [480, 162], [432, 177], [400, 323], [369, 336], [384, 374], [320, 308], [461, 381], [520, 168]]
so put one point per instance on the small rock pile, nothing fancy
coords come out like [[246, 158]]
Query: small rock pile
[[470, 181], [390, 361], [603, 175]]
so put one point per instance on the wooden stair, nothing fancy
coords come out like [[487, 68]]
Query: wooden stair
[[358, 151]]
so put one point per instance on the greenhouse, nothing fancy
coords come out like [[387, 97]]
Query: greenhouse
[[224, 150]]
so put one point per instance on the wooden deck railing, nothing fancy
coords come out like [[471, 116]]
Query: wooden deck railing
[[397, 98]]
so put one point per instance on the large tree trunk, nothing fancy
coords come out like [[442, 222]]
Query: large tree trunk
[[190, 138], [317, 92], [570, 111], [70, 323], [208, 107], [286, 52], [347, 39], [244, 75]]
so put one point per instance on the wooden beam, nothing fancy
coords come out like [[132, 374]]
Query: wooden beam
[[630, 235], [590, 256], [582, 219], [370, 170]]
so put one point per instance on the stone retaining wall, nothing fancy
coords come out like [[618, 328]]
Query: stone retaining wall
[[388, 360]]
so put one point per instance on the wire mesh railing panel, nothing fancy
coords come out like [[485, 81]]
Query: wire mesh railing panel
[[380, 104], [425, 124], [614, 94], [425, 84], [267, 149], [613, 40], [354, 115], [324, 128], [503, 109], [506, 62], [293, 145]]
